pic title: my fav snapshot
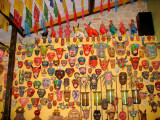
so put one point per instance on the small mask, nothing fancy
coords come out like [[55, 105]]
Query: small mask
[[151, 96], [75, 83], [50, 56], [59, 52], [104, 64], [93, 61], [84, 81], [145, 74], [123, 78], [86, 113], [56, 62], [50, 97], [51, 88], [122, 62], [29, 106], [36, 84], [129, 70], [29, 84], [28, 63], [66, 55], [41, 93], [59, 74], [20, 64], [72, 61], [43, 101], [154, 106], [30, 92], [93, 81], [133, 113], [63, 63], [156, 75], [140, 86], [37, 61], [70, 71], [21, 90], [75, 94], [46, 83], [150, 88], [77, 66], [66, 82], [36, 71], [97, 114], [104, 104], [81, 60], [21, 77], [51, 71], [157, 86], [135, 62], [111, 52], [87, 49], [45, 64], [156, 64], [39, 107], [145, 64], [49, 105], [122, 115], [23, 101], [143, 95], [35, 101], [27, 75], [98, 71], [57, 84], [82, 70], [134, 49], [67, 94], [150, 68], [81, 52], [37, 52]]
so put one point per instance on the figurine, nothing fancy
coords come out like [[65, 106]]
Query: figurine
[[60, 32], [36, 112], [122, 28], [53, 33], [78, 32], [133, 28], [112, 28], [90, 31], [67, 31], [103, 30]]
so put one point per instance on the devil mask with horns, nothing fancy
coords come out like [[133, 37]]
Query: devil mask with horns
[[36, 71], [59, 52]]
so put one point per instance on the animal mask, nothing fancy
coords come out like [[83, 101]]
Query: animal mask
[[120, 47], [67, 94], [156, 64], [46, 83], [36, 71], [93, 81], [93, 61], [122, 62], [72, 61], [50, 56], [87, 49], [97, 114], [134, 49], [135, 62], [37, 61], [59, 52], [104, 64], [59, 74], [57, 84]]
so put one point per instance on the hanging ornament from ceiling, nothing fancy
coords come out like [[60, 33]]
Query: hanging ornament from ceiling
[[51, 3], [116, 5], [82, 9], [74, 11], [56, 13], [5, 7], [43, 24], [132, 1], [18, 5], [124, 3], [17, 18], [27, 29], [45, 12], [109, 5], [28, 4], [36, 18], [65, 11]]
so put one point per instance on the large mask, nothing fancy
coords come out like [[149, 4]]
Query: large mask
[[37, 61], [59, 74], [86, 113], [122, 62], [72, 61], [46, 83], [93, 61], [156, 64], [135, 62], [104, 64], [28, 48], [73, 49], [145, 64], [41, 93], [27, 75], [123, 78], [134, 49], [59, 52], [50, 56], [67, 95], [70, 71], [28, 63], [43, 49], [97, 114], [87, 49], [111, 52], [57, 84], [36, 71], [120, 47], [93, 81]]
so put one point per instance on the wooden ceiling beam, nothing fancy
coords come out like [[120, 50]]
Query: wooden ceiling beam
[[11, 22]]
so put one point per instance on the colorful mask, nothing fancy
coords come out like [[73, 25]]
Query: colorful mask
[[28, 63], [28, 48], [75, 94], [156, 75], [30, 92], [145, 74], [134, 49], [67, 94], [145, 64], [123, 78], [72, 61], [82, 70], [57, 84], [81, 60], [122, 62], [140, 86], [37, 52], [27, 75], [59, 52], [150, 68], [104, 104], [84, 81], [122, 115], [93, 81], [111, 52], [50, 56], [50, 97], [56, 62], [98, 71], [66, 55], [120, 47], [29, 84], [49, 105], [59, 74], [87, 49], [93, 61], [46, 83], [59, 95], [36, 71], [73, 49], [75, 83], [129, 69], [154, 106], [41, 93], [133, 113], [143, 95], [36, 84], [37, 61], [151, 96], [43, 101], [157, 86], [135, 62], [29, 106], [101, 49], [21, 90], [21, 77], [112, 62], [45, 64], [97, 114], [51, 71], [20, 64], [63, 63], [104, 64], [150, 88], [156, 64], [35, 101], [70, 71], [23, 101], [66, 82], [86, 113], [43, 49]]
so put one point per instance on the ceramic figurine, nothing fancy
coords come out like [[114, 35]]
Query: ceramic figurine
[[67, 31], [103, 30], [19, 113], [133, 28], [122, 28], [36, 112], [90, 31], [112, 28], [78, 32]]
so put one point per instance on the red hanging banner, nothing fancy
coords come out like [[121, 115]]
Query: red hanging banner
[[17, 18], [36, 13], [101, 7], [109, 5], [51, 21], [59, 19]]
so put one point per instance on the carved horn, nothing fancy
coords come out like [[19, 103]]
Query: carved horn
[[21, 42], [39, 67], [77, 43], [89, 23]]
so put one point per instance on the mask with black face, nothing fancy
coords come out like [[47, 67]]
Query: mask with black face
[[97, 114]]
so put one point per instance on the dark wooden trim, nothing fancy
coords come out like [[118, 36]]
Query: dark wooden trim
[[11, 22], [91, 6], [11, 63]]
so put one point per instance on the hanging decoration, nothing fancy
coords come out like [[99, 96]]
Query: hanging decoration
[[18, 5], [109, 5], [74, 11], [51, 3], [43, 24], [4, 23], [51, 21], [45, 11], [139, 2], [28, 4], [36, 18], [65, 11], [82, 10], [5, 7], [116, 5], [124, 3], [17, 18], [102, 1], [28, 17], [132, 1], [56, 13], [27, 29]]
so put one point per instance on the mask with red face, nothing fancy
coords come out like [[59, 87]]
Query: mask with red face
[[36, 71], [87, 49], [145, 64], [104, 64], [156, 64], [135, 62], [50, 56], [37, 61], [59, 52], [93, 61]]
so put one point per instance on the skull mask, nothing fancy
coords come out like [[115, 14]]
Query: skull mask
[[46, 83]]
